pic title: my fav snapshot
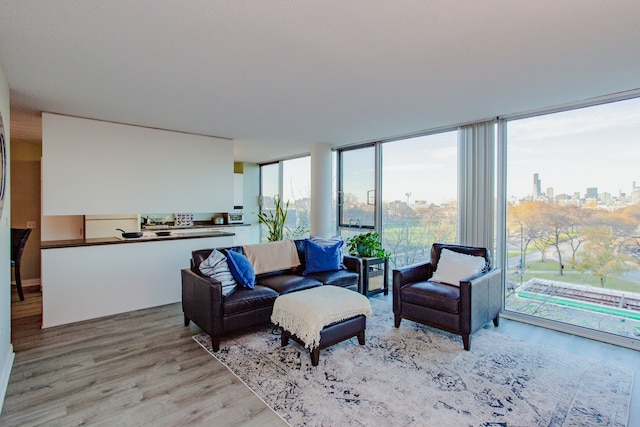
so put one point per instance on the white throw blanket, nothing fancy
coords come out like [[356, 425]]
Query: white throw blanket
[[305, 313], [272, 256]]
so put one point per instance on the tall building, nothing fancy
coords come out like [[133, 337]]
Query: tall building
[[536, 186], [592, 193]]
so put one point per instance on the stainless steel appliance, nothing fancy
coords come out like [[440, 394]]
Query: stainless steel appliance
[[235, 218]]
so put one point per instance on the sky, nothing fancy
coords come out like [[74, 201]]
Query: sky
[[596, 146]]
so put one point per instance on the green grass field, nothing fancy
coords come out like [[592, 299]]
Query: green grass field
[[549, 270]]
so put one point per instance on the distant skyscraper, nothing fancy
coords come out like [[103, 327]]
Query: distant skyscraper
[[592, 193], [536, 186]]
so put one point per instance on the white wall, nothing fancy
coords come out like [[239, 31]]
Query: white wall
[[95, 167], [6, 349]]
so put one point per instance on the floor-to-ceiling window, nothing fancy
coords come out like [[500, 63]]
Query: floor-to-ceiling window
[[289, 180], [419, 195], [573, 218], [357, 192], [406, 190], [296, 190]]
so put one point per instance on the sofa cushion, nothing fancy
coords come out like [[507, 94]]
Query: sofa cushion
[[454, 266], [328, 241], [285, 283], [320, 257], [216, 267], [272, 256], [438, 296], [241, 269], [243, 299], [342, 278]]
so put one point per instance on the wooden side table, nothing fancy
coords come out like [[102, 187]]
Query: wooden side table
[[373, 265]]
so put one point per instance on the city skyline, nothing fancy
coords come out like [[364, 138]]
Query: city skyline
[[571, 151]]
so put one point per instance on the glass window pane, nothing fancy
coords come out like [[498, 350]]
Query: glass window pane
[[296, 187], [419, 195], [358, 187], [573, 216], [269, 184]]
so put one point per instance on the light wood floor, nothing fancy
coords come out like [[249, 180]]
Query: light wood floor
[[138, 368], [143, 368]]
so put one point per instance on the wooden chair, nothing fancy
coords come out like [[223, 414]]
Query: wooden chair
[[19, 238]]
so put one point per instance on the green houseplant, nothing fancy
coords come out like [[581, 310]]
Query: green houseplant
[[367, 245], [274, 219]]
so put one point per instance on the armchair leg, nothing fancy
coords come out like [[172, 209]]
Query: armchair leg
[[396, 320], [186, 320], [496, 321], [466, 341]]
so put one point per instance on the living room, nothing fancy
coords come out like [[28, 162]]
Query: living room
[[295, 96]]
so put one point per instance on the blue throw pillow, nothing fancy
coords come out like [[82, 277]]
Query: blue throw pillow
[[241, 269], [322, 257]]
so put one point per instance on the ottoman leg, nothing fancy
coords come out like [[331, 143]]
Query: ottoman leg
[[315, 356], [284, 337], [361, 338]]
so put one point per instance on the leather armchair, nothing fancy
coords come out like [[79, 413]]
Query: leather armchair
[[461, 310]]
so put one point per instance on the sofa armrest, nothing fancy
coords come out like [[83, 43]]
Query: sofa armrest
[[480, 300], [202, 301], [352, 263]]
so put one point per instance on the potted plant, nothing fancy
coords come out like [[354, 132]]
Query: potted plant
[[367, 245], [274, 220]]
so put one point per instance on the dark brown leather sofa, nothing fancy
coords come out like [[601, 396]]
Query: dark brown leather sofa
[[461, 310], [204, 304]]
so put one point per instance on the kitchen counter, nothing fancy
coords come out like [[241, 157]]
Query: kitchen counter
[[177, 233]]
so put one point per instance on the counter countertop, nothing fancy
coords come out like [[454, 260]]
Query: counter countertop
[[72, 243], [160, 227]]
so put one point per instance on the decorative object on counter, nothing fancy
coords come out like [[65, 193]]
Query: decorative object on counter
[[367, 245], [274, 219], [236, 217], [183, 219]]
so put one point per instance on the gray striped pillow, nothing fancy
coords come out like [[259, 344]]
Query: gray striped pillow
[[216, 267]]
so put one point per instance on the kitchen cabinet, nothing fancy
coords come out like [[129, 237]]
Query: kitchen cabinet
[[115, 278], [242, 235], [96, 226]]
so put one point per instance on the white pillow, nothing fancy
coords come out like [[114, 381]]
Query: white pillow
[[454, 266], [216, 267]]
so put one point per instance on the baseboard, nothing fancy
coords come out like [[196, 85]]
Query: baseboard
[[27, 283], [5, 374]]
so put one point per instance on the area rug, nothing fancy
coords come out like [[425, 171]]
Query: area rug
[[419, 376]]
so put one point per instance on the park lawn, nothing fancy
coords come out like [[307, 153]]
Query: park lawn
[[548, 270]]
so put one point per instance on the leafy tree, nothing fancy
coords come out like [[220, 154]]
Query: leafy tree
[[578, 218], [600, 255], [525, 217]]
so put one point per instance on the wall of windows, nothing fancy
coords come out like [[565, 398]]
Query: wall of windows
[[568, 208]]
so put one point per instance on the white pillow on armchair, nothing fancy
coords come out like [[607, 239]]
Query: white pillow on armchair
[[454, 266]]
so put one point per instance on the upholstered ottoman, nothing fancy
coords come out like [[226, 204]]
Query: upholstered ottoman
[[320, 317]]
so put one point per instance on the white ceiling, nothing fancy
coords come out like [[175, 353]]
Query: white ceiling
[[279, 75]]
